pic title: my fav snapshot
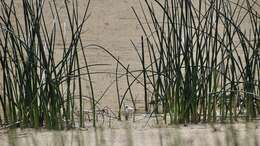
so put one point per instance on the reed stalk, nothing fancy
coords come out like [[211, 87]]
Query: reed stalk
[[34, 78]]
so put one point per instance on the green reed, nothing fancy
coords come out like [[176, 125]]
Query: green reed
[[204, 59], [39, 87]]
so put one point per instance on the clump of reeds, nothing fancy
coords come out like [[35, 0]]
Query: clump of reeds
[[40, 88], [203, 59]]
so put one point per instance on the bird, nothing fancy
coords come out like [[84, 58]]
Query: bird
[[128, 110]]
